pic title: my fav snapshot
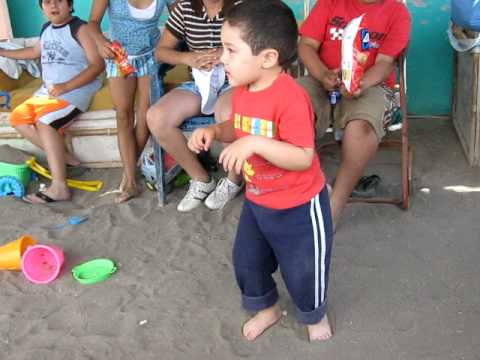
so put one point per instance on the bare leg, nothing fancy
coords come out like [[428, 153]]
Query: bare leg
[[141, 130], [123, 96], [55, 151], [143, 103], [359, 145], [261, 321], [30, 133], [321, 330], [163, 120], [223, 112]]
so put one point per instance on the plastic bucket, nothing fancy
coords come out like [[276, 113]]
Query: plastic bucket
[[11, 253], [41, 264], [20, 171]]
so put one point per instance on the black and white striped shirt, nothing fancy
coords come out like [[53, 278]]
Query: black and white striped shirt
[[200, 32]]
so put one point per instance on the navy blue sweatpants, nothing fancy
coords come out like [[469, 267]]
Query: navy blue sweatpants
[[299, 241]]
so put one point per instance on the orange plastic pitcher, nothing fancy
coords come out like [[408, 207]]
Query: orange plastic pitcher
[[11, 253]]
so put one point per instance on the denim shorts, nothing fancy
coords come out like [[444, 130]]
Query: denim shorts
[[144, 65], [193, 88]]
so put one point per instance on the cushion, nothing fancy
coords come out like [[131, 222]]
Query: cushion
[[8, 84], [25, 87]]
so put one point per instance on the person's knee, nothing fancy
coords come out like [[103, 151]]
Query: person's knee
[[125, 119], [157, 122], [222, 113], [362, 129]]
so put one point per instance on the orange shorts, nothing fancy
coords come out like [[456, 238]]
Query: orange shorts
[[50, 111]]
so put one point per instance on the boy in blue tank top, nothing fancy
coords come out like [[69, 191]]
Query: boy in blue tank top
[[135, 25], [70, 70]]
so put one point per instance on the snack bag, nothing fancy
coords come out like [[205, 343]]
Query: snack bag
[[355, 45], [121, 58]]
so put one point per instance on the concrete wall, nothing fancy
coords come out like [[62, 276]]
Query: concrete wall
[[429, 59]]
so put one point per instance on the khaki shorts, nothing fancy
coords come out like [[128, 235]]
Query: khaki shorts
[[372, 106]]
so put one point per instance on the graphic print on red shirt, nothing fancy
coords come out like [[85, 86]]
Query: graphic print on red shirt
[[281, 112], [388, 22]]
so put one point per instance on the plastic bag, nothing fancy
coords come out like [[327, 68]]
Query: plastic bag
[[464, 44], [121, 59], [355, 45], [466, 13]]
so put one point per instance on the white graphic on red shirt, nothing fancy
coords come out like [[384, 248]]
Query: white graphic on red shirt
[[337, 33]]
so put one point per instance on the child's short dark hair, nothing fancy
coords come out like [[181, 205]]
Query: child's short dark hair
[[70, 2], [267, 24]]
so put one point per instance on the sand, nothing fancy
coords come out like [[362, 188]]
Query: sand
[[404, 285]]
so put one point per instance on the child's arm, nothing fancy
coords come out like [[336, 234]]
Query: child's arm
[[95, 67], [28, 53], [281, 154], [202, 138], [94, 27]]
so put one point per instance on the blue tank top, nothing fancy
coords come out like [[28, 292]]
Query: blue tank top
[[62, 59], [136, 36]]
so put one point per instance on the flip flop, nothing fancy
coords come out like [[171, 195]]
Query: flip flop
[[126, 196], [366, 186], [41, 195]]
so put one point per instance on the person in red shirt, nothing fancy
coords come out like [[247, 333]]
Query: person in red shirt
[[285, 221], [361, 114]]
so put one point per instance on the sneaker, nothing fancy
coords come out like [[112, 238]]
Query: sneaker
[[196, 193], [225, 191]]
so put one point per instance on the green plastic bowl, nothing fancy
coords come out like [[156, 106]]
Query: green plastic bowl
[[94, 271], [21, 172]]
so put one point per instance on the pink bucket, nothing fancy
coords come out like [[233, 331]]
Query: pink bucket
[[41, 264]]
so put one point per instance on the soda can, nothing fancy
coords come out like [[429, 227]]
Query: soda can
[[334, 97], [365, 36]]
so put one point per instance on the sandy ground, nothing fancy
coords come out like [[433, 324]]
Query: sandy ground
[[404, 285]]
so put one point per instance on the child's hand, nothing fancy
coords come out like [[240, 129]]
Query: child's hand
[[235, 154], [105, 50], [56, 90], [331, 79], [201, 139]]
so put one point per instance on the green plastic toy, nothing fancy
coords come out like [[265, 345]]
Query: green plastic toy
[[94, 271]]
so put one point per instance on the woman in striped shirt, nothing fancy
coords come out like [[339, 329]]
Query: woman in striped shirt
[[198, 23]]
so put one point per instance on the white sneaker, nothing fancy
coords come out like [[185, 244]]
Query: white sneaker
[[196, 193], [225, 191]]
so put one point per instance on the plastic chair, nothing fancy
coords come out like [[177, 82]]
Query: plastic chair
[[165, 176]]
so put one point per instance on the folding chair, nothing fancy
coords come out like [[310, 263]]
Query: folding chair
[[401, 142], [165, 176]]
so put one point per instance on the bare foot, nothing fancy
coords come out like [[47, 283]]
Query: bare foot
[[71, 160], [321, 330], [127, 194], [261, 322], [123, 184]]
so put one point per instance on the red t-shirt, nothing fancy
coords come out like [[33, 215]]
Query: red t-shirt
[[283, 112], [388, 23]]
